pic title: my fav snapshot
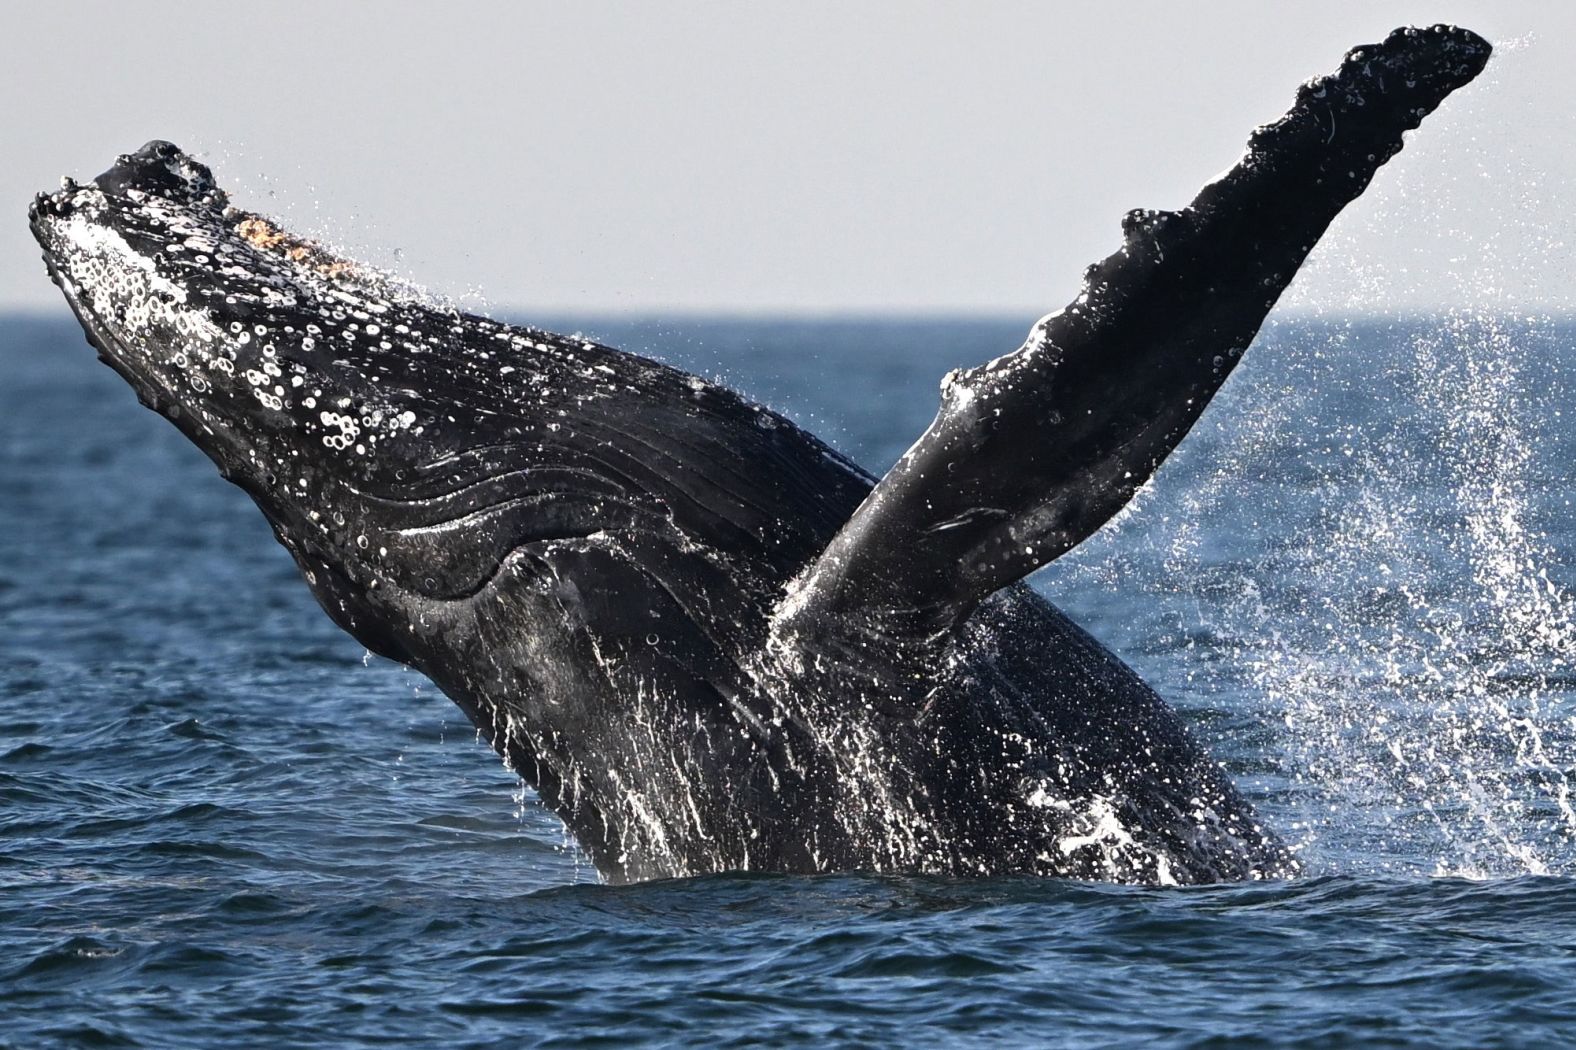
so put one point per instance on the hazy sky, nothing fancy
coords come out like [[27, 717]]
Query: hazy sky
[[785, 157]]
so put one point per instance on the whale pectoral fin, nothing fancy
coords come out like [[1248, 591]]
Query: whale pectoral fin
[[1034, 451]]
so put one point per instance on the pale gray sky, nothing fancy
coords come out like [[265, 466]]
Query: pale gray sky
[[788, 156]]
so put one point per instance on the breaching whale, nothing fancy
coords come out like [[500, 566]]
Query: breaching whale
[[706, 639]]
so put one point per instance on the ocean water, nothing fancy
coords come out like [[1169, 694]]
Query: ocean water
[[222, 823]]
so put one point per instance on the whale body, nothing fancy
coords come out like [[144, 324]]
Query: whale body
[[705, 638]]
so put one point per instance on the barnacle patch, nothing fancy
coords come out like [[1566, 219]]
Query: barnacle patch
[[265, 236]]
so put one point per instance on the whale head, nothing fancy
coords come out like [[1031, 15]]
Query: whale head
[[325, 390]]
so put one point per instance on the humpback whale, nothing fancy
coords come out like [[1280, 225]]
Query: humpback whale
[[705, 638]]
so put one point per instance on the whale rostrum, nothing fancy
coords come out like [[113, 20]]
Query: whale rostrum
[[706, 639]]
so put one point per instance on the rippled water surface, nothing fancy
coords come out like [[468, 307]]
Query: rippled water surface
[[220, 823]]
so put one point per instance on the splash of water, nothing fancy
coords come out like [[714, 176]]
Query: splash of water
[[1355, 541], [1410, 637], [1448, 728]]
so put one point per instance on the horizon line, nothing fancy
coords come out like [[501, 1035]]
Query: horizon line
[[523, 315]]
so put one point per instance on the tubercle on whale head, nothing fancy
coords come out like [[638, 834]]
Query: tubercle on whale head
[[287, 366]]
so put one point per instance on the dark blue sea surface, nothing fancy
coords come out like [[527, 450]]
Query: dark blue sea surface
[[221, 823]]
